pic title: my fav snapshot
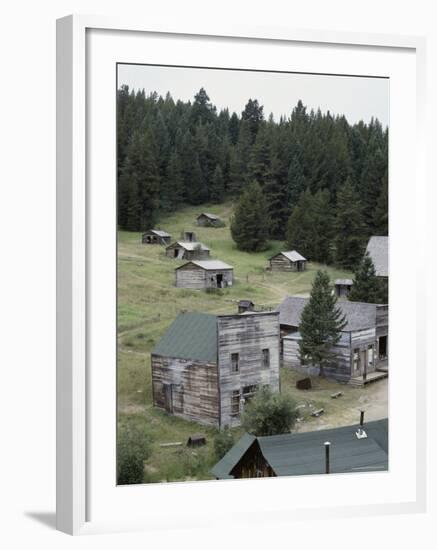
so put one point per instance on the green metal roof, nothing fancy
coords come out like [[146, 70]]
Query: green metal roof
[[304, 453], [190, 336]]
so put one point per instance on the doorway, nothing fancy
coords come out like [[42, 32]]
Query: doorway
[[168, 398], [219, 280], [382, 347]]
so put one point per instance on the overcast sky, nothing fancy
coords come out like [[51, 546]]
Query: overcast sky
[[358, 98]]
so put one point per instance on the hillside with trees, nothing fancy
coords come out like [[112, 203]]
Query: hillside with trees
[[323, 181]]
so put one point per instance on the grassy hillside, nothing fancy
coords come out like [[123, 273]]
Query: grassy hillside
[[147, 304]]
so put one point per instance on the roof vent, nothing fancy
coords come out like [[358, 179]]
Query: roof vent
[[361, 434]]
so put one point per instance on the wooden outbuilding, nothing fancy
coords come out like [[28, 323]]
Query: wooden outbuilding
[[207, 367], [343, 287], [203, 274], [205, 219], [187, 250], [188, 236], [156, 236], [356, 448], [245, 305], [360, 354], [288, 261], [377, 248]]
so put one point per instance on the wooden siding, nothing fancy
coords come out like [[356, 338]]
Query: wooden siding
[[252, 464], [195, 277], [194, 388], [248, 335], [282, 263], [151, 238]]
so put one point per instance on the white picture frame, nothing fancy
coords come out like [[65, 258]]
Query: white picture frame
[[79, 306]]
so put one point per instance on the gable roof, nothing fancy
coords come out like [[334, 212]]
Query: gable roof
[[343, 282], [304, 453], [208, 265], [190, 336], [377, 248], [189, 245], [157, 232], [291, 255], [358, 315], [208, 215]]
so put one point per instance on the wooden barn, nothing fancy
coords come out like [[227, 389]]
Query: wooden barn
[[204, 274], [209, 220], [288, 261], [187, 250], [361, 354], [357, 448], [156, 236], [377, 248], [343, 287], [207, 367]]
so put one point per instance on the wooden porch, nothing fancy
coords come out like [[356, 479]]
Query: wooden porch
[[379, 374]]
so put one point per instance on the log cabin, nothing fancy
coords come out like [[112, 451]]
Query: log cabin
[[205, 219], [305, 453], [156, 236], [287, 261], [360, 356], [207, 367], [204, 274], [187, 250], [343, 287], [377, 248]]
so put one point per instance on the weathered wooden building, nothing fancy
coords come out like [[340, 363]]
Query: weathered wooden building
[[187, 250], [362, 352], [206, 367], [203, 274], [287, 261], [343, 287], [188, 236], [156, 236], [305, 453], [245, 305], [377, 248], [205, 219]]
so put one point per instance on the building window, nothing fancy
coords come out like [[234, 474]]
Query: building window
[[356, 359], [235, 362], [235, 403], [266, 359], [370, 355], [249, 392]]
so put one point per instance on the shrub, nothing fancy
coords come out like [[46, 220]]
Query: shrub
[[269, 413], [223, 441], [133, 448]]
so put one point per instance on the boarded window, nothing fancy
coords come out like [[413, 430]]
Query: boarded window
[[249, 392], [235, 403], [266, 358], [235, 362]]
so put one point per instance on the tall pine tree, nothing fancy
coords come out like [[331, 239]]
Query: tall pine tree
[[249, 225]]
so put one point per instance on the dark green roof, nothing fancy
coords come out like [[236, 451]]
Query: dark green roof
[[190, 336], [304, 453]]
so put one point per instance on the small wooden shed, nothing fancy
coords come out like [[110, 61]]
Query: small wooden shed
[[184, 250], [204, 274], [343, 287], [188, 236], [245, 305], [288, 261], [156, 236], [205, 219]]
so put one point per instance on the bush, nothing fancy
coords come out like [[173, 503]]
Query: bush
[[223, 442], [269, 413], [133, 448]]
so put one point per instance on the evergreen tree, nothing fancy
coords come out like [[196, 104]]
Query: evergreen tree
[[172, 189], [367, 286], [295, 181], [203, 110], [249, 225], [321, 324], [276, 197], [380, 223], [349, 227], [197, 192], [234, 128], [218, 185], [240, 160], [253, 115], [260, 157]]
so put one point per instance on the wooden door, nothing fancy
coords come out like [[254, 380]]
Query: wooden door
[[168, 398]]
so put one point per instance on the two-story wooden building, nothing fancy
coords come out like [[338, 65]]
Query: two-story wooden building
[[206, 367], [363, 347]]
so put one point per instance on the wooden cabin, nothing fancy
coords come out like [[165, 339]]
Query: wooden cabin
[[287, 261], [205, 219], [204, 274], [360, 355], [356, 448], [377, 248], [188, 236], [187, 250], [156, 236], [207, 367], [343, 287], [245, 305]]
